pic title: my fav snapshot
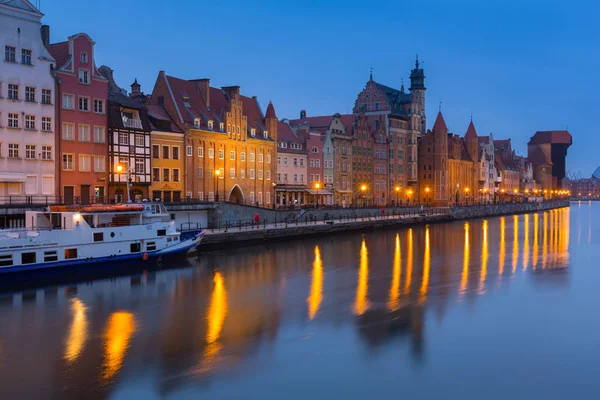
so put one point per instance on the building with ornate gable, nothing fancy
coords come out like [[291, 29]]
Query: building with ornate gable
[[292, 167], [230, 145]]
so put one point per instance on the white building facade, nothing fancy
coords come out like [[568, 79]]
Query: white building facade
[[27, 117]]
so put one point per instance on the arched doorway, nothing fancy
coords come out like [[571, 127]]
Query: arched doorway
[[236, 195], [457, 197]]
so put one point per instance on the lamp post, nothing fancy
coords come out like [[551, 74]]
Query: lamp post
[[217, 174], [317, 186], [466, 196], [397, 191], [427, 195], [363, 189], [120, 171], [408, 194]]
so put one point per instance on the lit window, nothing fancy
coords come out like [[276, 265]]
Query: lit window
[[210, 125], [221, 154], [201, 152], [197, 123]]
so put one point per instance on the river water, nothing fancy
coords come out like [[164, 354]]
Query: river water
[[492, 308]]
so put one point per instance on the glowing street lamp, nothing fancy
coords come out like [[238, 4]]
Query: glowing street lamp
[[363, 189], [397, 191], [120, 169], [217, 174], [317, 186], [427, 195]]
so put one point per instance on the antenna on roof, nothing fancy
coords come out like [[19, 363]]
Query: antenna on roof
[[471, 116], [440, 106], [371, 74]]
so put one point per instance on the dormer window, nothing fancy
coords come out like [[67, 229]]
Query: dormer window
[[221, 126], [253, 132], [197, 123], [266, 134], [210, 125], [83, 57], [186, 101]]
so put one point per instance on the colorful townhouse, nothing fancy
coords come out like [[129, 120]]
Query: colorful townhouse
[[81, 96], [292, 168], [27, 106]]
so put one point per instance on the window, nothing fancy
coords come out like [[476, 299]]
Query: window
[[46, 96], [268, 158], [30, 151], [28, 258], [30, 122], [166, 174], [10, 53], [50, 256], [84, 76], [315, 150], [221, 154], [175, 174], [285, 161], [268, 175], [251, 197], [211, 153], [278, 160], [123, 138], [67, 101], [139, 140], [26, 56], [266, 134], [302, 162], [46, 152], [139, 166], [295, 162], [260, 157], [83, 57], [135, 247], [175, 151], [188, 151], [243, 156], [84, 133], [99, 163], [232, 173], [210, 125], [201, 152], [242, 173], [155, 151], [260, 174], [252, 174], [84, 103], [98, 236], [268, 197], [99, 134], [161, 232], [99, 106], [13, 91], [30, 94], [6, 260], [200, 172], [197, 123], [318, 163], [151, 246], [251, 157], [68, 162], [165, 152], [84, 163], [232, 155], [155, 174], [228, 128]]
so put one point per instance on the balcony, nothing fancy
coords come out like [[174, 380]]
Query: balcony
[[133, 123]]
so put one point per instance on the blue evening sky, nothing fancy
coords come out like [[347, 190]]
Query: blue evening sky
[[518, 66]]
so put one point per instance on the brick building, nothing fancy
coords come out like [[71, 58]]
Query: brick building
[[230, 143], [362, 161], [547, 151], [292, 167], [82, 94]]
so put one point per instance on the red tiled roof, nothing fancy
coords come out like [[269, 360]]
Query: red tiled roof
[[456, 142], [270, 111], [440, 124], [60, 52], [471, 132], [498, 144], [538, 157], [555, 137], [314, 122], [484, 139], [159, 113], [347, 120]]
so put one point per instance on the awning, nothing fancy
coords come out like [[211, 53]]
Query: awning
[[13, 177], [319, 192]]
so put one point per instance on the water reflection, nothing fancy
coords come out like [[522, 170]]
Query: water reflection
[[242, 311], [316, 286], [361, 303], [77, 331]]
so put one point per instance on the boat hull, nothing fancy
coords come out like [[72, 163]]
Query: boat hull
[[182, 248]]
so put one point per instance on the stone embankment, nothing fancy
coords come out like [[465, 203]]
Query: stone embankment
[[315, 222]]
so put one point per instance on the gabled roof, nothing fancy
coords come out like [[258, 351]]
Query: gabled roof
[[270, 111], [22, 5], [538, 157], [314, 122], [554, 137], [160, 120], [395, 99], [440, 124], [484, 139], [499, 144], [456, 142], [471, 132], [60, 52]]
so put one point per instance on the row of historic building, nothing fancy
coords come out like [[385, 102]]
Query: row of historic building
[[68, 131]]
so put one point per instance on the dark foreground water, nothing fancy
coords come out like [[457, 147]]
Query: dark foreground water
[[486, 309]]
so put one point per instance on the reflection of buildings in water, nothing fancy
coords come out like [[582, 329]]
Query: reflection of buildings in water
[[217, 311], [502, 255], [394, 302], [117, 337], [465, 269], [515, 259], [526, 243], [316, 286], [426, 268], [77, 331], [362, 303], [545, 241], [536, 242], [484, 257], [409, 261]]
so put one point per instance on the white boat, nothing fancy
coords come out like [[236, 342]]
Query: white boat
[[68, 236]]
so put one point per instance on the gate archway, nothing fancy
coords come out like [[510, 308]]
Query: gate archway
[[236, 195]]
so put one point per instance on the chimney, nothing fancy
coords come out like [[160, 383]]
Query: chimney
[[45, 31], [204, 88], [232, 91], [302, 114], [135, 90]]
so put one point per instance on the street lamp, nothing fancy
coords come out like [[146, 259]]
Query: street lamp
[[317, 186], [427, 195], [217, 174], [408, 194], [120, 171], [466, 196], [397, 191], [363, 189]]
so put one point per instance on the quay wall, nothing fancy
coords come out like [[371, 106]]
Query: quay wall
[[240, 236]]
